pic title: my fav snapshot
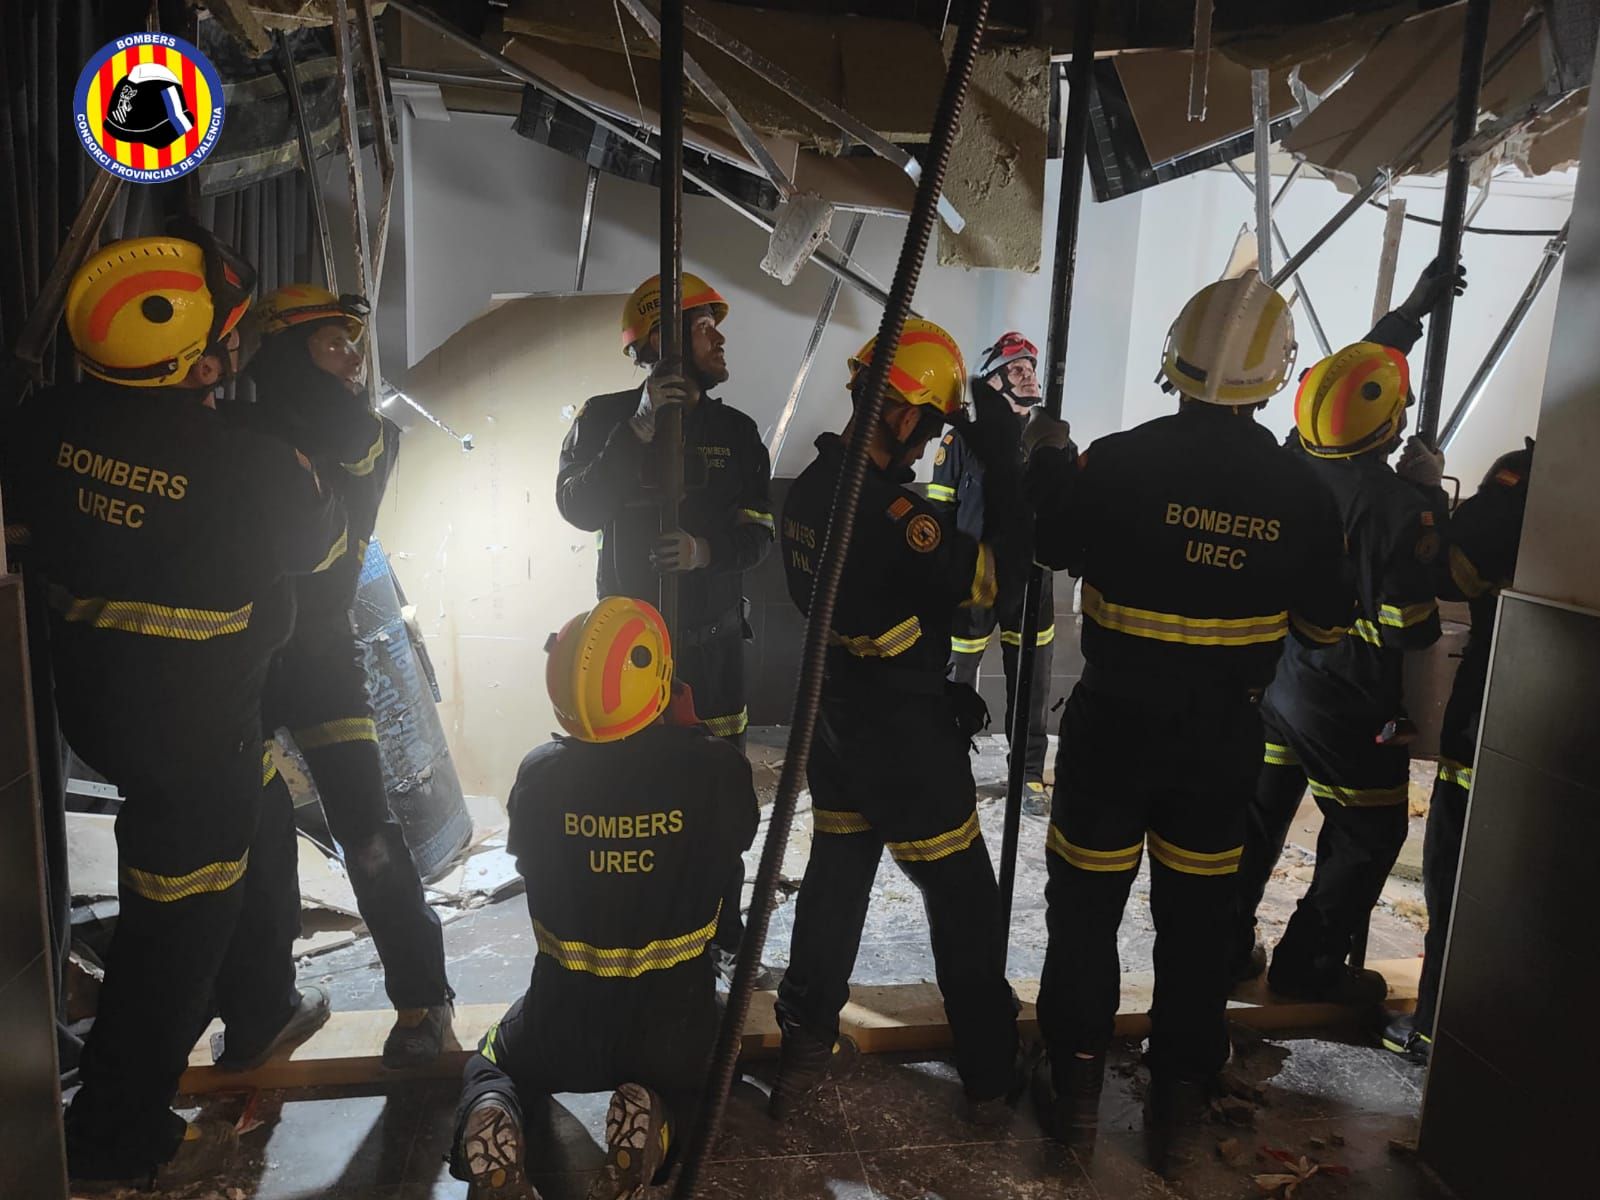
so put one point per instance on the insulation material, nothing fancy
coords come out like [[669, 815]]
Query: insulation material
[[1157, 87], [844, 61], [1407, 79], [996, 173], [487, 561]]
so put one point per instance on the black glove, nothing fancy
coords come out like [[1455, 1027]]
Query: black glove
[[1432, 286], [968, 708], [994, 434]]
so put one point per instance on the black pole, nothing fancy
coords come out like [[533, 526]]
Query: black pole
[[1474, 36], [825, 592], [1075, 139], [669, 420]]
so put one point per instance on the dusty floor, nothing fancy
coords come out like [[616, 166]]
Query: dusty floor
[[890, 1130]]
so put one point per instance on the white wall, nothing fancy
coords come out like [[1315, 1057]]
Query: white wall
[[488, 212]]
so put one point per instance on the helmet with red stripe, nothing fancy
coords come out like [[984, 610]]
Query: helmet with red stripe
[[927, 367], [1014, 360], [1352, 402], [641, 312], [609, 670]]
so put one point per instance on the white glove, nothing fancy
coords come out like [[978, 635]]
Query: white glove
[[679, 551], [663, 387], [1420, 464], [1041, 429]]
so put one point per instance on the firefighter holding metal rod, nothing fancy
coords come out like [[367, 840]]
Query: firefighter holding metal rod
[[1202, 546]]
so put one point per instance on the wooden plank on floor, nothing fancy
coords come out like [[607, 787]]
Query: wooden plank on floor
[[883, 1019]]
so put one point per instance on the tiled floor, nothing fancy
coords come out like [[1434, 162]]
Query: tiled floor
[[889, 1131]]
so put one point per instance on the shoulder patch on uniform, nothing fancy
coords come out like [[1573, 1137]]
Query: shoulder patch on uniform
[[899, 508], [923, 534], [1428, 546], [1509, 478], [1427, 517], [942, 454]]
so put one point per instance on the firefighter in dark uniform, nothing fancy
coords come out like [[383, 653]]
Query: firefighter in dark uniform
[[1336, 721], [624, 830], [1203, 546], [605, 483], [1485, 533], [890, 763], [163, 536], [308, 375], [1010, 368]]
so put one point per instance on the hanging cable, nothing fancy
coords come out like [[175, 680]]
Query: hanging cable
[[1434, 221], [825, 594]]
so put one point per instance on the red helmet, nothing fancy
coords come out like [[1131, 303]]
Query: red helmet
[[1010, 347]]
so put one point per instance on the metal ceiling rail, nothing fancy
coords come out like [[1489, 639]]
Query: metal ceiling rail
[[308, 160], [826, 256]]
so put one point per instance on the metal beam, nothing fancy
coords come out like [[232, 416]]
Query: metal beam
[[1283, 249], [378, 109], [802, 93], [826, 257], [748, 138], [1075, 141], [780, 431], [1474, 36], [590, 186], [1200, 60], [1553, 250], [350, 132], [1261, 108], [668, 443], [308, 161]]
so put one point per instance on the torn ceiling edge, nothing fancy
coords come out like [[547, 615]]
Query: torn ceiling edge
[[1157, 89], [845, 63], [253, 21], [1407, 78]]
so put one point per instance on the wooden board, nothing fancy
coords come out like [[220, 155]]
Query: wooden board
[[881, 1020]]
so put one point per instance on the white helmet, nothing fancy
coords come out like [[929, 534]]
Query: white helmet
[[1232, 344]]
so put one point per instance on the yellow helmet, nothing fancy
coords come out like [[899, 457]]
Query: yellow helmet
[[609, 671], [1232, 344], [142, 312], [641, 312], [927, 367], [302, 303], [1352, 401]]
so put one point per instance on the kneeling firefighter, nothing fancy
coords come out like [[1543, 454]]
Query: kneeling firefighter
[[309, 377], [164, 536], [890, 763], [625, 830], [1010, 367]]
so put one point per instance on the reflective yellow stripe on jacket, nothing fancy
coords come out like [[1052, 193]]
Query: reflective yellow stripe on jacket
[[941, 493], [1174, 627], [150, 620], [1359, 797], [364, 465], [886, 645], [333, 733], [975, 645], [626, 962], [1397, 617], [335, 551], [1323, 635], [985, 581], [166, 889], [1013, 637], [1277, 755], [1465, 574], [754, 516], [728, 726], [1451, 771]]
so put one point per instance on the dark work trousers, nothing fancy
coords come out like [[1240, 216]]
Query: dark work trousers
[[1441, 856], [317, 690], [892, 769], [1363, 801], [1174, 771], [207, 863], [713, 667], [970, 637], [574, 1032]]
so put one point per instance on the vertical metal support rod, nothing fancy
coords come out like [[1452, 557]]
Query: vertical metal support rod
[[1283, 248], [1474, 36], [1075, 140], [669, 421], [590, 186], [1288, 182], [780, 431], [1553, 250], [1388, 258], [308, 161], [378, 110], [1261, 106], [350, 133], [1200, 60]]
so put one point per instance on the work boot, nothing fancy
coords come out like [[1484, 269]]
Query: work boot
[[1036, 799], [637, 1139], [1068, 1100], [417, 1037], [1350, 986], [309, 1015], [1250, 967], [493, 1152], [1401, 1037], [996, 1112], [805, 1063], [208, 1148], [1174, 1110]]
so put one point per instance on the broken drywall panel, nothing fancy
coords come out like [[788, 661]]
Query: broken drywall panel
[[323, 883], [91, 855], [1407, 78], [1157, 88], [996, 174]]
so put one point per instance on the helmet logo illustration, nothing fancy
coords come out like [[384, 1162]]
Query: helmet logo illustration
[[148, 107]]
